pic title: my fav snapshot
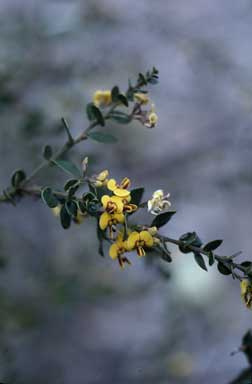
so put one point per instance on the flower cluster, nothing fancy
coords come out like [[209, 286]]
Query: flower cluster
[[149, 118], [116, 205]]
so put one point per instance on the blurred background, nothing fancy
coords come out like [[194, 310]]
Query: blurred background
[[66, 314]]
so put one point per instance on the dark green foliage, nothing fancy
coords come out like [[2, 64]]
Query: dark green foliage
[[136, 195], [223, 269], [48, 197], [189, 238], [72, 208], [200, 261], [65, 217], [17, 178], [211, 258], [95, 114], [120, 117], [102, 137], [162, 219], [212, 245], [68, 167]]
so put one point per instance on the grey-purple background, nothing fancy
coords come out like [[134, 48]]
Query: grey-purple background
[[67, 315]]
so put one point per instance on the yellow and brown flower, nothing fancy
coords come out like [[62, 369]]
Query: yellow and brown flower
[[110, 220], [117, 250], [140, 241]]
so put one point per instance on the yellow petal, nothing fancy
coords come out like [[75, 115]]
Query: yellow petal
[[118, 202], [147, 238], [111, 185], [130, 208], [132, 239], [104, 220], [121, 192], [105, 199], [119, 217], [113, 251]]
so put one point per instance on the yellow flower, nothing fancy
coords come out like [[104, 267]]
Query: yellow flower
[[101, 179], [56, 210], [152, 118], [141, 98], [117, 249], [129, 208], [119, 190], [112, 204], [139, 241], [246, 293], [102, 98], [110, 220], [159, 202]]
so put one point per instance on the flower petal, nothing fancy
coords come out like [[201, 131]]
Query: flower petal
[[113, 251], [111, 185], [147, 238], [105, 199], [118, 202], [104, 220], [121, 192], [132, 239], [119, 217]]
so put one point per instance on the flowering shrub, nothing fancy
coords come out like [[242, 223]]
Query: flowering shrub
[[112, 203]]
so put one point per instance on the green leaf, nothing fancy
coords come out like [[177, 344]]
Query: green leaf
[[211, 258], [94, 113], [223, 269], [123, 99], [47, 152], [115, 93], [72, 208], [68, 167], [120, 117], [212, 245], [162, 219], [89, 111], [246, 264], [17, 177], [136, 195], [102, 137], [189, 238], [200, 261], [65, 218], [48, 197], [82, 207], [71, 183]]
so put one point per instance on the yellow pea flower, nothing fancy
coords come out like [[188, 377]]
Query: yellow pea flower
[[112, 204], [117, 249], [139, 241], [101, 179], [102, 98], [110, 220], [246, 293], [129, 208], [119, 190], [152, 118], [141, 98]]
